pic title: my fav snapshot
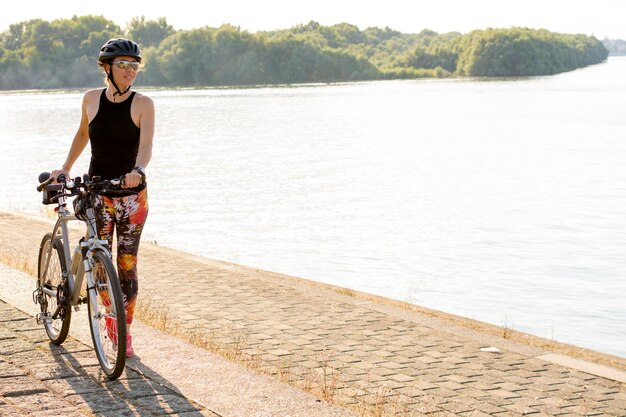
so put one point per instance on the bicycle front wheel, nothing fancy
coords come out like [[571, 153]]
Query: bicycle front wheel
[[52, 289], [107, 317]]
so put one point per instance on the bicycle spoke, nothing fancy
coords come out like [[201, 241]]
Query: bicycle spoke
[[106, 313], [52, 288]]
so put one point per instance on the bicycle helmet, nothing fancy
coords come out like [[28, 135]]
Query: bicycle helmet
[[114, 48], [119, 47]]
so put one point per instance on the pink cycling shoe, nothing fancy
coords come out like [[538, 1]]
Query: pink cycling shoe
[[111, 327], [129, 347]]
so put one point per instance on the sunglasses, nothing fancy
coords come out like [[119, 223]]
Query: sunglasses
[[127, 64]]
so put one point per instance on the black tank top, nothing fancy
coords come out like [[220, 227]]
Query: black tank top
[[114, 139]]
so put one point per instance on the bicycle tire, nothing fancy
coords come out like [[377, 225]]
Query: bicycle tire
[[107, 317], [48, 289]]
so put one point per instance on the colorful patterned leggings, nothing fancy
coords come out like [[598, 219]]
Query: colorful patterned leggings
[[126, 215]]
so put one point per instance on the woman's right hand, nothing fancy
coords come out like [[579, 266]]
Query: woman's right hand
[[55, 174]]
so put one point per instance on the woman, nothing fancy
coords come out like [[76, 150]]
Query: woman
[[119, 124]]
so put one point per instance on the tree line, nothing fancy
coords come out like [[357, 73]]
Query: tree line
[[62, 53], [615, 46]]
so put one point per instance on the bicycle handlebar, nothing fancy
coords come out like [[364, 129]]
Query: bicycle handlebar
[[46, 184]]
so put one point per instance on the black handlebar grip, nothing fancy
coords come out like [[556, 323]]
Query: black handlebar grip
[[43, 176], [44, 179]]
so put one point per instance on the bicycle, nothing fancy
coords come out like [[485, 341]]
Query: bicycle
[[59, 287]]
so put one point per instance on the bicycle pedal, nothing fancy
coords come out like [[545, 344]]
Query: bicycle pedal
[[43, 318]]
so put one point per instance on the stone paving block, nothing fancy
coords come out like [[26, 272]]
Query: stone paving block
[[13, 346], [61, 412], [136, 388], [6, 333], [375, 360], [69, 346], [615, 408], [599, 393], [74, 385], [428, 360], [502, 393], [457, 407], [9, 315], [474, 413], [429, 404], [474, 393], [383, 372], [393, 365], [391, 384], [523, 406], [498, 401], [556, 402], [485, 383], [533, 393], [520, 381], [197, 413], [128, 411], [491, 409], [8, 371], [29, 324], [509, 386], [463, 379], [96, 373], [402, 378], [35, 335], [97, 402], [548, 380], [348, 379], [167, 404], [453, 385], [443, 392], [32, 402], [415, 372]]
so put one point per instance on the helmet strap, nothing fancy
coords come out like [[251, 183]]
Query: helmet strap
[[110, 77]]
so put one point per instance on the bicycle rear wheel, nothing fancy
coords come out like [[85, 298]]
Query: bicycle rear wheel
[[52, 290], [107, 317]]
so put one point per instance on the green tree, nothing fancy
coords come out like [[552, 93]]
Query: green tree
[[526, 52], [148, 32], [182, 59]]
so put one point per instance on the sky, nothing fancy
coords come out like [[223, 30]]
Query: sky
[[601, 18]]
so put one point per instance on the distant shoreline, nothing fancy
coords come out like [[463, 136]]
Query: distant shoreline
[[306, 53]]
